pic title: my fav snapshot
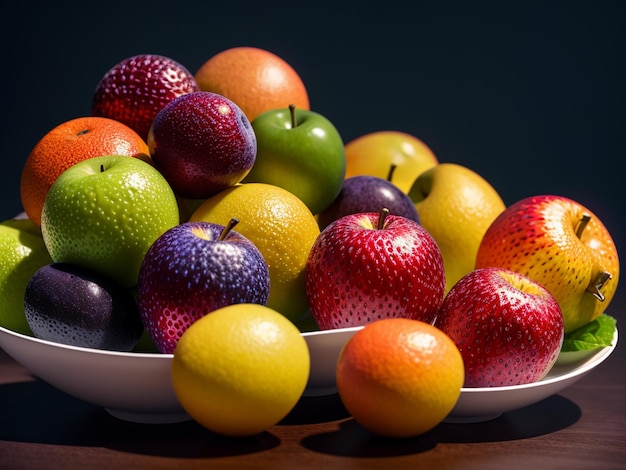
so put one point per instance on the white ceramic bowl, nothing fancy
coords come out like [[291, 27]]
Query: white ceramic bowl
[[137, 386]]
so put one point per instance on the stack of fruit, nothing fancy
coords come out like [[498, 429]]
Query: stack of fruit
[[213, 216]]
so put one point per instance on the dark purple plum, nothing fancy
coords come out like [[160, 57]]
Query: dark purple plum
[[365, 193], [70, 304], [192, 270], [202, 143]]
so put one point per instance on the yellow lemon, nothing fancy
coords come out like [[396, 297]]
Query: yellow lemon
[[456, 205], [399, 377], [283, 229], [374, 153], [240, 369]]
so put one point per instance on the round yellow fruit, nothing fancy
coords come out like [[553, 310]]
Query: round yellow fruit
[[400, 377], [240, 369], [23, 253], [374, 153], [456, 206], [283, 229]]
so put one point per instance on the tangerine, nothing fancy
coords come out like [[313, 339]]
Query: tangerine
[[67, 144], [257, 80], [399, 377]]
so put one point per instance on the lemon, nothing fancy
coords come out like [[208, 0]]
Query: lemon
[[455, 205], [240, 369], [283, 229]]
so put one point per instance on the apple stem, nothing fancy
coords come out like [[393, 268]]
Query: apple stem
[[229, 226], [292, 111], [384, 212], [101, 168], [584, 220], [392, 169], [594, 287]]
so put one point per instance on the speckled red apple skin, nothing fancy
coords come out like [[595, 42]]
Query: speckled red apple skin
[[506, 335], [202, 143], [536, 236], [355, 275], [134, 90]]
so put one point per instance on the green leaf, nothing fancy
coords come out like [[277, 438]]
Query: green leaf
[[595, 334]]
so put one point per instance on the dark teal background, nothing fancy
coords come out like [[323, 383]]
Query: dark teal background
[[528, 94]]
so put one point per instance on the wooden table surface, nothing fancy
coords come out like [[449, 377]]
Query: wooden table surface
[[583, 427]]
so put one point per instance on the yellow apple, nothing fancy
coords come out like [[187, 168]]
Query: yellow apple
[[375, 153], [561, 244], [457, 206]]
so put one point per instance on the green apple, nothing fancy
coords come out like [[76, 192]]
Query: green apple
[[105, 212], [456, 205], [300, 151], [23, 252]]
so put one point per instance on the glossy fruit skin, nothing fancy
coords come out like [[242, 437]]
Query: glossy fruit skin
[[202, 143], [104, 213], [508, 328], [456, 205], [134, 90], [375, 152], [254, 78], [283, 229], [241, 369], [73, 305], [188, 273], [536, 236], [307, 160], [357, 273], [68, 143], [22, 252], [366, 193], [399, 377]]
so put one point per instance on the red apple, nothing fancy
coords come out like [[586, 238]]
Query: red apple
[[560, 244], [368, 266], [508, 327], [202, 143], [134, 90]]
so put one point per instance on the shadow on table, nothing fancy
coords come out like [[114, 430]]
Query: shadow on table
[[37, 412], [351, 440]]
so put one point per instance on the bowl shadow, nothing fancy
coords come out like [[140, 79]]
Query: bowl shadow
[[352, 440], [36, 412]]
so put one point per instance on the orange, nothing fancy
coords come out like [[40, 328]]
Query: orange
[[240, 369], [374, 153], [257, 80], [68, 143], [399, 377]]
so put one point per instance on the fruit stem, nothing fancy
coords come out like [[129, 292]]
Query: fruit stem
[[292, 111], [584, 220], [594, 287], [229, 226], [384, 212], [101, 168], [392, 168]]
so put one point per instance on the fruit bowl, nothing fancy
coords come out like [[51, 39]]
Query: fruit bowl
[[137, 386], [486, 403]]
